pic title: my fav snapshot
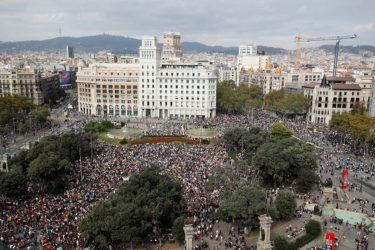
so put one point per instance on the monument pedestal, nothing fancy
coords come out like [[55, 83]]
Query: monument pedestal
[[189, 232], [264, 241]]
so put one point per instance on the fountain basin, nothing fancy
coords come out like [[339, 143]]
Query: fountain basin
[[350, 217], [201, 133], [126, 132]]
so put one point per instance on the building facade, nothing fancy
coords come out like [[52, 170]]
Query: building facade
[[69, 52], [330, 97], [296, 80], [109, 89], [171, 46], [227, 74], [173, 89], [149, 59], [185, 91], [146, 87], [247, 50], [28, 83], [372, 99], [249, 61]]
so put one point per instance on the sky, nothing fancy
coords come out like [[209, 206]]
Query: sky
[[213, 22]]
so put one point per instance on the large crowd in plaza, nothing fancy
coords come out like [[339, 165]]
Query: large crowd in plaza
[[53, 221]]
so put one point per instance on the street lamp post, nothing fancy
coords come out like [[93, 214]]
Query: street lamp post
[[14, 130]]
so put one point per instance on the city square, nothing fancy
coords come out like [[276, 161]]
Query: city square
[[195, 125]]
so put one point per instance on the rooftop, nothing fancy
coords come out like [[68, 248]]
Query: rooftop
[[340, 78], [342, 86], [310, 85]]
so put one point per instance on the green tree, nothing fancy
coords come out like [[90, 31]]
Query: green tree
[[248, 97], [178, 229], [306, 179], [279, 132], [249, 139], [232, 137], [147, 203], [358, 109], [45, 164], [13, 184], [225, 96], [54, 95], [272, 98], [295, 103], [282, 243], [245, 204], [313, 228], [253, 139], [39, 115], [361, 127], [235, 99], [272, 211], [49, 171], [14, 110], [98, 127], [68, 146], [20, 161], [279, 162], [285, 204]]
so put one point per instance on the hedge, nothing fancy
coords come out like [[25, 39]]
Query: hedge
[[313, 230]]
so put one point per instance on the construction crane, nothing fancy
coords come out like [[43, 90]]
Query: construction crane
[[338, 39]]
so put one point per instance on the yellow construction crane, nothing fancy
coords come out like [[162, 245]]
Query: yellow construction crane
[[299, 39]]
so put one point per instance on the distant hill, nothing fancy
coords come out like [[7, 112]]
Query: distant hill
[[127, 45], [360, 49], [116, 44], [86, 44]]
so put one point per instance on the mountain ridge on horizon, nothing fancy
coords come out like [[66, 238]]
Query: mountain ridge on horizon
[[121, 44]]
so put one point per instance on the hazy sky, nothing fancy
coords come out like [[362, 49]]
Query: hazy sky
[[214, 22]]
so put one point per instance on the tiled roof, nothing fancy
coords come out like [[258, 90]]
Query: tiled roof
[[310, 85], [342, 86]]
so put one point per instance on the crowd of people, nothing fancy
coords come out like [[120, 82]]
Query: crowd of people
[[165, 128], [53, 221]]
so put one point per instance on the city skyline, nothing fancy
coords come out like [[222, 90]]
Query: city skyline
[[269, 22]]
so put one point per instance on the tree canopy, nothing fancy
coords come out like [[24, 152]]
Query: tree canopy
[[178, 229], [148, 202], [98, 127], [49, 171], [245, 204], [45, 165], [279, 132], [17, 112], [359, 126], [236, 99], [285, 204], [279, 158], [295, 103], [248, 139], [13, 183], [53, 96], [281, 162]]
